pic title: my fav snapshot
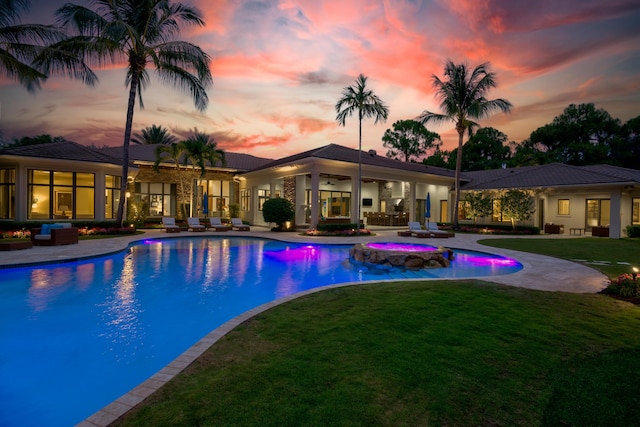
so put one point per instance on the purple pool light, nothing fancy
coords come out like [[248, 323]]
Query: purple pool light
[[401, 247]]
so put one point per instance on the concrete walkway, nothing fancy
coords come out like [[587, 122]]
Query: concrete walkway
[[539, 272]]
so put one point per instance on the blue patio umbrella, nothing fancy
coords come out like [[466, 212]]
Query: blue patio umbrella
[[205, 204], [427, 210]]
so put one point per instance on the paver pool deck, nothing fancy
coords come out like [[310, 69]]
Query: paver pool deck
[[539, 272]]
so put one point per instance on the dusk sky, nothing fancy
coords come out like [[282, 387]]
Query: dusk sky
[[279, 68]]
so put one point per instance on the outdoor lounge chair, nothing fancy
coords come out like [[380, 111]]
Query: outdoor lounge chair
[[432, 227], [236, 224], [194, 224], [416, 230], [169, 224], [215, 224], [54, 234]]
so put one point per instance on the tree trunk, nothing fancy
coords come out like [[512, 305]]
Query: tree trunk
[[125, 149], [457, 188], [359, 172]]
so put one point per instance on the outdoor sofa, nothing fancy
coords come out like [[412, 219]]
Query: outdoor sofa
[[54, 234]]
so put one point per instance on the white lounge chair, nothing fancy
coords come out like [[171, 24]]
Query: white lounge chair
[[237, 224], [432, 227], [216, 225], [416, 230], [169, 224], [194, 224]]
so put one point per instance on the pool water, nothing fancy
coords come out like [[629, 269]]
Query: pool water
[[76, 336]]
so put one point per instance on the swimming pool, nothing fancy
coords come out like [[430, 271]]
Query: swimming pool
[[78, 335]]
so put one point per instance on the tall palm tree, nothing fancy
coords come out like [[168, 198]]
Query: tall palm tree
[[140, 33], [462, 100], [368, 105], [21, 46], [200, 148], [153, 135], [176, 153]]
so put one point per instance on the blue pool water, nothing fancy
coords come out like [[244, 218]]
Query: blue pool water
[[76, 336]]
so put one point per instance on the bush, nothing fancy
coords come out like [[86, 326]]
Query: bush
[[624, 286], [338, 227], [279, 211], [633, 230]]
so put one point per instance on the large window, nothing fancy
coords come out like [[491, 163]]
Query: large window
[[112, 196], [217, 194], [61, 195], [157, 198], [563, 207], [598, 212], [7, 193], [635, 211]]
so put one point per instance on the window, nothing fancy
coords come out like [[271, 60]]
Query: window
[[563, 207], [598, 212], [7, 193], [496, 216], [112, 196], [463, 210], [263, 195], [635, 211], [218, 197], [245, 200], [444, 208], [61, 195], [156, 198]]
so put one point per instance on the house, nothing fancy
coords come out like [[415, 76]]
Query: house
[[65, 179], [323, 185], [575, 197], [161, 191], [58, 180]]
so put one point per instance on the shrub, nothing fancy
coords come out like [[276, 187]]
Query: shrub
[[624, 286], [338, 227], [279, 211], [633, 230]]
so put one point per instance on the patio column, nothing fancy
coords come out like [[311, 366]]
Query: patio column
[[300, 205], [315, 194], [412, 201], [355, 199], [614, 226]]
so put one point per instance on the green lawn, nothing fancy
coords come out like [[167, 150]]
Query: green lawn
[[434, 353], [587, 248]]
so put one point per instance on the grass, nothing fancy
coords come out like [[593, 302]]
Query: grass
[[588, 248], [416, 353]]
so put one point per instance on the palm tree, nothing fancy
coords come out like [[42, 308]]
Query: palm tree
[[140, 32], [462, 100], [153, 135], [367, 104], [197, 150], [200, 148], [21, 46], [176, 153]]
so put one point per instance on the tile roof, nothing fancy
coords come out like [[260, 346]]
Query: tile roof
[[549, 175], [63, 150], [147, 153], [350, 155]]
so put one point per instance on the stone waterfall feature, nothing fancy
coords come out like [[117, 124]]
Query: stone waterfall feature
[[412, 260]]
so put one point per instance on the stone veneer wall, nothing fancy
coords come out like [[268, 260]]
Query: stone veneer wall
[[168, 175], [290, 189]]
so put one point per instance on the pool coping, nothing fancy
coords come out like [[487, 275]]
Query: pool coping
[[116, 409]]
